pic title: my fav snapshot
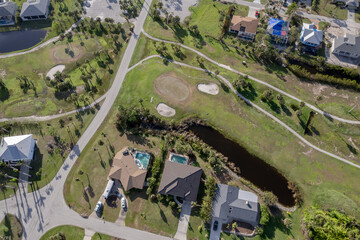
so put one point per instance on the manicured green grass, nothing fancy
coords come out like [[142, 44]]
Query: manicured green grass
[[43, 100], [11, 228], [100, 236], [151, 216], [331, 10], [70, 232]]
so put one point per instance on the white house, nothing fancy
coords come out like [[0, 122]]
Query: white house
[[310, 36], [17, 148]]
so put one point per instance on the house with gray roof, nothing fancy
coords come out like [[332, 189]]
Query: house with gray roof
[[310, 36], [7, 12], [348, 46], [350, 4], [17, 148], [35, 10], [233, 204], [180, 180]]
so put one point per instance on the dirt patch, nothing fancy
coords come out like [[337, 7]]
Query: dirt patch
[[2, 73], [209, 88], [165, 110], [60, 54], [54, 70], [209, 48], [172, 88], [318, 89]]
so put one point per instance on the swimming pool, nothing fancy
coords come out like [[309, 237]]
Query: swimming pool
[[143, 159], [178, 158]]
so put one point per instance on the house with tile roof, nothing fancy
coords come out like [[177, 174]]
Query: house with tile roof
[[35, 10], [126, 170], [233, 204], [180, 180], [347, 46], [244, 27], [310, 36], [17, 148], [278, 30], [7, 12]]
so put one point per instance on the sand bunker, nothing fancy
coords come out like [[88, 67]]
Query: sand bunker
[[209, 88], [57, 68], [165, 110], [172, 87]]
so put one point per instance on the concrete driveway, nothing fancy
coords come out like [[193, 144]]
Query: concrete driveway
[[215, 235], [183, 221]]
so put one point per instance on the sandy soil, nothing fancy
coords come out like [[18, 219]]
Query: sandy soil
[[165, 110], [209, 88], [54, 70]]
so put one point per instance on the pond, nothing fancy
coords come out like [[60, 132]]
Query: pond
[[252, 168], [20, 40]]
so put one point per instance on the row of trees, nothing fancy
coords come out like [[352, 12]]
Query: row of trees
[[156, 169], [206, 205]]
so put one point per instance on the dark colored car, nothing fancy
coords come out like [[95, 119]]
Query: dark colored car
[[257, 14], [215, 227]]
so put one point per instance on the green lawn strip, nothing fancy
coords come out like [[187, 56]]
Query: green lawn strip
[[327, 9], [357, 15], [100, 236], [36, 65], [70, 232], [11, 227], [151, 216], [228, 113]]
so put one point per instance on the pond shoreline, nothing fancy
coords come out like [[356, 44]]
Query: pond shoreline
[[20, 40]]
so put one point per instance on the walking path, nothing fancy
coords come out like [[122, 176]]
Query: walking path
[[44, 209], [50, 117], [44, 44], [257, 107], [183, 221], [327, 115]]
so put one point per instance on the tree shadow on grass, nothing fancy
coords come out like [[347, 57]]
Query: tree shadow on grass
[[4, 93], [286, 110], [275, 223], [274, 107]]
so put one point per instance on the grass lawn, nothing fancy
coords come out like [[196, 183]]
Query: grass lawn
[[11, 228], [151, 216], [70, 232], [357, 15], [43, 99], [271, 73], [100, 236], [331, 10]]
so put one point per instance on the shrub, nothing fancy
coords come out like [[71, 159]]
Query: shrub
[[264, 215], [269, 199], [294, 107]]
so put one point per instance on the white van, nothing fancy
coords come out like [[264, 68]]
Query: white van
[[108, 188]]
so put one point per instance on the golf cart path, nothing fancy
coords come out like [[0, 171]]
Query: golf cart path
[[278, 121], [328, 115]]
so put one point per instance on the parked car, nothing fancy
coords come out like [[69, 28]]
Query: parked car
[[98, 207], [215, 227], [119, 195], [257, 14], [123, 203]]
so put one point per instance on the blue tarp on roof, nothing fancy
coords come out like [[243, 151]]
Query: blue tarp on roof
[[276, 25]]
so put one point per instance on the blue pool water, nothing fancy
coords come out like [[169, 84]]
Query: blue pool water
[[143, 158], [178, 159]]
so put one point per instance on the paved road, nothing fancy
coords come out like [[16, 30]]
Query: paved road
[[258, 108], [327, 115], [41, 210], [44, 44]]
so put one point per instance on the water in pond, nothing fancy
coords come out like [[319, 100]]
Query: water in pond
[[19, 40], [252, 168]]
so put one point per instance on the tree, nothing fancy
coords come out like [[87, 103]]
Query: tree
[[269, 198], [234, 226], [267, 95], [280, 99], [288, 223], [264, 215]]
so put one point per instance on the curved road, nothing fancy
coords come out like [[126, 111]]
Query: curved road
[[255, 106], [328, 115], [41, 210]]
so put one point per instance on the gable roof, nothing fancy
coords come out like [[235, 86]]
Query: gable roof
[[34, 8], [180, 180], [353, 3], [17, 148], [310, 34], [8, 8], [277, 27], [127, 172], [249, 23], [231, 202], [349, 43]]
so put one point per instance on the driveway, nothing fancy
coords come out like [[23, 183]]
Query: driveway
[[183, 221], [215, 235]]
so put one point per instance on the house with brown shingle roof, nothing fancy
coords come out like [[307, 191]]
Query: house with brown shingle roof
[[244, 27], [180, 180], [126, 170]]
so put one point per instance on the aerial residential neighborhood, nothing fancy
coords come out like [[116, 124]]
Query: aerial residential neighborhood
[[183, 120]]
